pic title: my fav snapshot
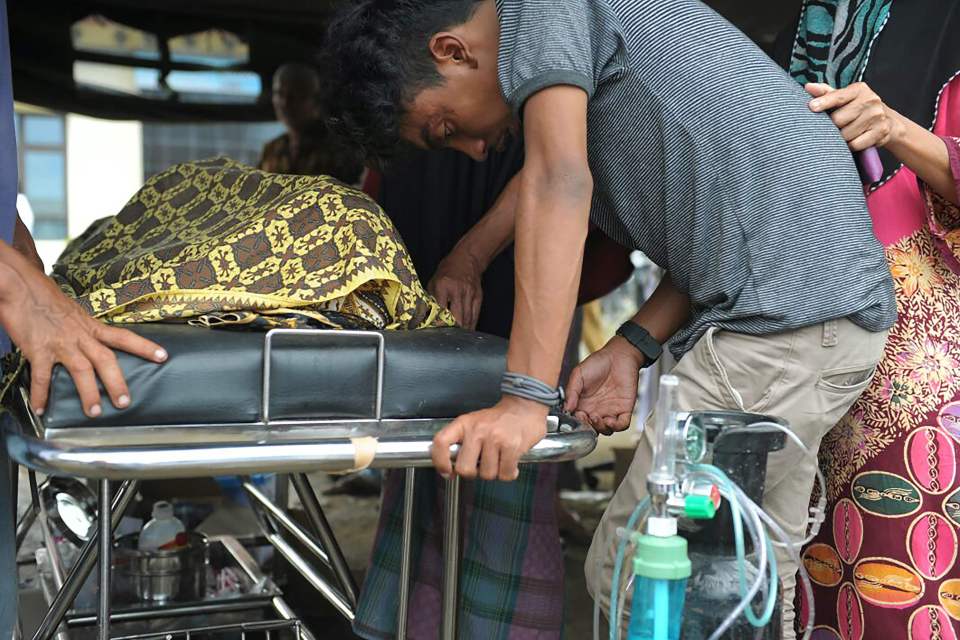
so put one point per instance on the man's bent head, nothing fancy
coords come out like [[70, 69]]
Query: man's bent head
[[421, 72]]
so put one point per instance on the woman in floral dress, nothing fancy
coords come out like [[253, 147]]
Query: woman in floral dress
[[885, 562]]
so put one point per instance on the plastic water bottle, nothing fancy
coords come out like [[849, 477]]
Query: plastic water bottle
[[162, 531], [661, 568]]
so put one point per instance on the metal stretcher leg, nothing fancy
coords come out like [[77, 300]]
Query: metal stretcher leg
[[53, 554], [26, 521], [84, 566], [272, 518], [451, 560], [106, 551], [308, 498], [406, 551]]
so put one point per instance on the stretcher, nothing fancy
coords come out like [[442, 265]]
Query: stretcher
[[289, 401]]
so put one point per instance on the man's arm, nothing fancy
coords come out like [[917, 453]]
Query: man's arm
[[456, 284], [457, 281], [49, 328], [603, 389], [552, 219], [493, 233], [553, 208], [664, 312]]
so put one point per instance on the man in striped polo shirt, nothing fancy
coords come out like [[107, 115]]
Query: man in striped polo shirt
[[672, 132]]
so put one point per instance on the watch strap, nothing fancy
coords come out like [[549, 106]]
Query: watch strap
[[641, 339]]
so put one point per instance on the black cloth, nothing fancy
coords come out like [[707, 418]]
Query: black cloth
[[434, 198]]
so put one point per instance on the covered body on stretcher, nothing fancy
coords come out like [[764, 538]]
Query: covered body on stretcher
[[216, 243]]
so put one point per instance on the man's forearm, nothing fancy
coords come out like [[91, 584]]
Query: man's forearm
[[551, 228], [9, 279], [665, 312], [606, 266], [495, 230]]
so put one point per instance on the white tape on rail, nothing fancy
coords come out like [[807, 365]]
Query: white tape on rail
[[364, 451]]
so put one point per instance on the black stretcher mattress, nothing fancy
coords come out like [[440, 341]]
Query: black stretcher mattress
[[214, 376]]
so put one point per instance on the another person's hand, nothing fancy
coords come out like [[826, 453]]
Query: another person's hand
[[862, 117], [602, 389], [492, 441], [23, 242], [49, 328], [457, 286]]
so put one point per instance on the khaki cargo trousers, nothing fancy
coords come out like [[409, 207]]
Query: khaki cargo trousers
[[808, 377]]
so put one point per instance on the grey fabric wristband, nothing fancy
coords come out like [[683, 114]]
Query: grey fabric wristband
[[529, 388]]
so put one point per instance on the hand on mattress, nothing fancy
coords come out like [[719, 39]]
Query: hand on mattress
[[491, 441], [49, 328], [457, 286], [603, 389]]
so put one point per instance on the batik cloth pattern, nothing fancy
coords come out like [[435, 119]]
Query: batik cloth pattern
[[216, 242], [885, 562]]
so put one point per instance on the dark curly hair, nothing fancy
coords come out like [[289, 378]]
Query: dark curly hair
[[377, 61]]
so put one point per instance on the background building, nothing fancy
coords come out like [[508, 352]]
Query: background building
[[75, 169]]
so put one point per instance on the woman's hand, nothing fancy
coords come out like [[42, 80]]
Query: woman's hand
[[865, 121], [862, 117]]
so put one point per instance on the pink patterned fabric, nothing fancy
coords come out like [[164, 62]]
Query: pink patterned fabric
[[897, 208], [885, 564]]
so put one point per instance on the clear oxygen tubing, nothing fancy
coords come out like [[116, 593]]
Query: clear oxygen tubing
[[633, 523], [768, 588], [817, 513], [627, 584], [733, 494], [729, 490], [791, 548], [761, 542]]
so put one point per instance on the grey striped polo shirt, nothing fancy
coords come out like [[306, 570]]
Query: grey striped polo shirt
[[705, 157]]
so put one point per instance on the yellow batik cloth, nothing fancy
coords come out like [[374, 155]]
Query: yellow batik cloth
[[216, 242]]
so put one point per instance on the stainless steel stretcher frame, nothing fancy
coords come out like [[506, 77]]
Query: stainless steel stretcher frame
[[292, 447]]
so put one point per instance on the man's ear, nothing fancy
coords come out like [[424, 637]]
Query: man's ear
[[450, 48]]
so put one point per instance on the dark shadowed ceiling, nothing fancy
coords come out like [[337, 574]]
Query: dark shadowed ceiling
[[195, 60]]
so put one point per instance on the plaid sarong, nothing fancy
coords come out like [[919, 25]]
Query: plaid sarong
[[511, 573]]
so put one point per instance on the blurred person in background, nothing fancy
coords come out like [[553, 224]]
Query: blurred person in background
[[307, 148]]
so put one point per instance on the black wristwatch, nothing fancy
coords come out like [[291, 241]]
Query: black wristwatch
[[641, 339]]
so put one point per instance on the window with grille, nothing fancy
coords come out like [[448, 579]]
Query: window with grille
[[42, 163]]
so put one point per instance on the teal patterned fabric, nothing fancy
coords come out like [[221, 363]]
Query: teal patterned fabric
[[834, 40]]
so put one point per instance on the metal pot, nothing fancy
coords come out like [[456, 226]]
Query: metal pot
[[161, 576]]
